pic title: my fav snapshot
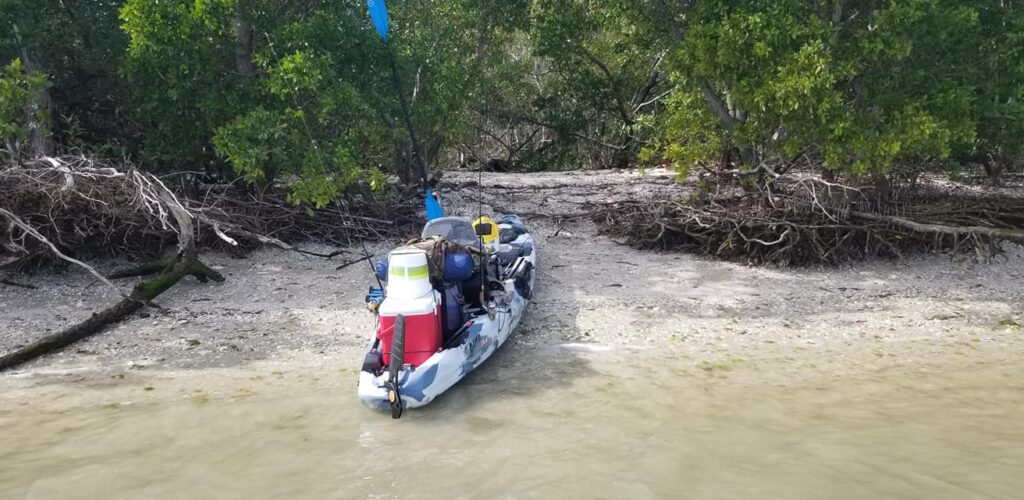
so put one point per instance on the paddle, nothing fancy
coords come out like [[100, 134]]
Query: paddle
[[379, 16], [395, 366]]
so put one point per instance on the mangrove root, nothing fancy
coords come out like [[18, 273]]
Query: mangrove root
[[817, 226], [185, 263]]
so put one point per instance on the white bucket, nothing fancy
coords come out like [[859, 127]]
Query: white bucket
[[408, 274]]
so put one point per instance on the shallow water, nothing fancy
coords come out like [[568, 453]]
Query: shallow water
[[577, 424]]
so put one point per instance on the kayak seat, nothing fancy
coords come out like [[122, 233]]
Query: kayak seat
[[509, 233], [514, 242], [455, 229]]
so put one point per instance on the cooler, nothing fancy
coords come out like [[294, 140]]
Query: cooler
[[410, 294]]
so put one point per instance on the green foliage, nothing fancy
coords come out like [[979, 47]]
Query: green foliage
[[692, 133], [276, 99], [599, 59], [299, 92], [79, 46], [318, 110], [180, 62], [19, 100], [999, 72], [864, 91]]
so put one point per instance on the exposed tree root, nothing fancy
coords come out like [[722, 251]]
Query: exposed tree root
[[164, 207], [349, 263], [86, 208], [10, 282], [944, 229], [267, 218], [28, 232], [817, 223]]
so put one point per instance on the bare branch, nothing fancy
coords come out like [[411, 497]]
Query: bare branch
[[620, 106], [29, 230]]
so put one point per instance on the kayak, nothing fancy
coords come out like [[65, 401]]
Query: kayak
[[445, 304]]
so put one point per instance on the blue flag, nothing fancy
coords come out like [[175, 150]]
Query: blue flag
[[434, 210], [379, 15]]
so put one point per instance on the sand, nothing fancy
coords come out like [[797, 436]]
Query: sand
[[280, 308]]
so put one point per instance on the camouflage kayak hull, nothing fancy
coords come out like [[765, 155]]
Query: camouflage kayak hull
[[478, 340]]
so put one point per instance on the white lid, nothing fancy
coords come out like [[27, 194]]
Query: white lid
[[408, 274]]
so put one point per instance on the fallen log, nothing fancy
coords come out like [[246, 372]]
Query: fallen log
[[922, 227], [9, 282], [185, 263], [142, 294]]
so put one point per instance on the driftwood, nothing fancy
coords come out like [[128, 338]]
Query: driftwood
[[186, 264]]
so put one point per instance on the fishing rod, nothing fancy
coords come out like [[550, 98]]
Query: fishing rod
[[379, 16]]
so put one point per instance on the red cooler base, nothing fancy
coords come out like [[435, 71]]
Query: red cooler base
[[422, 336]]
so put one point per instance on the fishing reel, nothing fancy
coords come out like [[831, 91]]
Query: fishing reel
[[374, 298]]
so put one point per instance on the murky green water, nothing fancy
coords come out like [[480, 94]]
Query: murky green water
[[600, 425]]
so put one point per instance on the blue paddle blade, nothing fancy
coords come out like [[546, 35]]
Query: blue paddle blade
[[379, 16], [434, 210]]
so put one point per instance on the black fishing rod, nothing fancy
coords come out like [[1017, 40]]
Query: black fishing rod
[[408, 118], [379, 16]]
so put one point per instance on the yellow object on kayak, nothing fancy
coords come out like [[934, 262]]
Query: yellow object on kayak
[[488, 230]]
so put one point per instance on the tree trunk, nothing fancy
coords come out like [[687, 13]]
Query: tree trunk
[[994, 166], [404, 161], [37, 110], [245, 46]]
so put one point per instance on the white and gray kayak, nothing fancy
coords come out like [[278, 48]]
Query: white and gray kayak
[[433, 332]]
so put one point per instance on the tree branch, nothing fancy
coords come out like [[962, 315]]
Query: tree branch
[[620, 106], [1008, 234], [718, 106], [652, 81]]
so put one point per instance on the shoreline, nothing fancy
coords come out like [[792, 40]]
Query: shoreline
[[278, 306]]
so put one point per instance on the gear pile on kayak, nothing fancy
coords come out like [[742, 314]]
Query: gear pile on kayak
[[446, 302]]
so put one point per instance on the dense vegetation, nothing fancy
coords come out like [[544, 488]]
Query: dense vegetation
[[284, 113], [299, 92]]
